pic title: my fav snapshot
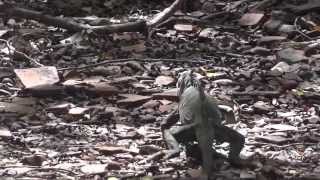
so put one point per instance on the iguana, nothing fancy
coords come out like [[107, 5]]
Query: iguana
[[200, 120]]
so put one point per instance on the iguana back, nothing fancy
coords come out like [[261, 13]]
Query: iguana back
[[196, 107]]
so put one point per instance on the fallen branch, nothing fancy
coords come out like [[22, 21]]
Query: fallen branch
[[47, 169], [11, 11], [136, 59], [311, 5], [256, 93], [263, 5], [165, 14], [187, 19], [139, 26]]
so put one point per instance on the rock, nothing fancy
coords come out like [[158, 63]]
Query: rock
[[167, 107], [103, 89], [93, 168], [106, 71], [260, 51], [151, 104], [171, 95], [292, 76], [133, 100], [113, 166], [281, 127], [281, 67], [291, 56], [217, 75], [129, 135], [208, 7], [164, 80], [288, 84], [95, 87], [5, 133], [224, 82], [149, 149], [38, 77], [272, 26], [208, 33], [78, 110], [140, 47], [46, 91], [139, 86], [124, 80], [60, 108], [262, 107], [7, 81], [314, 119], [183, 27], [5, 72], [287, 29], [273, 139], [197, 14], [246, 175], [116, 111], [33, 160], [267, 40], [135, 65], [16, 108], [111, 149], [147, 118]]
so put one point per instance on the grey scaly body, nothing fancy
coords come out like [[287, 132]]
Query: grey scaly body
[[201, 121]]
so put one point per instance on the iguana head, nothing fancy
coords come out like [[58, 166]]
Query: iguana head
[[187, 79]]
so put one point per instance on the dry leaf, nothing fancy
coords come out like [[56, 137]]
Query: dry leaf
[[250, 19], [164, 80]]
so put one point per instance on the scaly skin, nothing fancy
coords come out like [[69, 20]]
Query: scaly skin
[[192, 110], [201, 121]]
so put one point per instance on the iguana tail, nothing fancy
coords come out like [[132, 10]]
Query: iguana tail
[[205, 136]]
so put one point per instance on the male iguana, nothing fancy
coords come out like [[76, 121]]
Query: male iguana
[[200, 120]]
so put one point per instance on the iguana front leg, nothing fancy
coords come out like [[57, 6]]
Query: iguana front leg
[[176, 135]]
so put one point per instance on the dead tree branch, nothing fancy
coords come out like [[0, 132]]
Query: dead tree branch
[[139, 26], [165, 14], [10, 10]]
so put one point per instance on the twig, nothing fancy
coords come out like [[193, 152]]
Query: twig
[[154, 156], [48, 169], [135, 59], [165, 14], [11, 48], [175, 19], [215, 15], [298, 30]]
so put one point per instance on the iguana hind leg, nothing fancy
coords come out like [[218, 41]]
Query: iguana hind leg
[[236, 140], [176, 135]]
